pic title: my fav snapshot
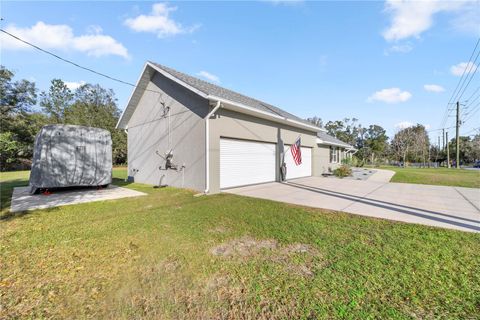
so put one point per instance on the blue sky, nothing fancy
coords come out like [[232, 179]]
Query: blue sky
[[389, 63]]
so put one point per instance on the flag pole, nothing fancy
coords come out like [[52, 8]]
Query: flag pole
[[285, 151]]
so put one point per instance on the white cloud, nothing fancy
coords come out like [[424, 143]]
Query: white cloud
[[404, 125], [158, 22], [209, 76], [467, 21], [399, 48], [411, 18], [391, 95], [433, 88], [467, 67], [74, 85], [60, 36], [407, 124]]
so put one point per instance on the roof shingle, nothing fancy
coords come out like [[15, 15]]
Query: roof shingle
[[215, 90], [328, 139]]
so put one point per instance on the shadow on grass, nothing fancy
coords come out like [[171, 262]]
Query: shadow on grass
[[120, 182], [6, 191]]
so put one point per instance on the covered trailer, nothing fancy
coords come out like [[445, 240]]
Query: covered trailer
[[71, 156]]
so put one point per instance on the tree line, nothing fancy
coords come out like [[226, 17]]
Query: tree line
[[411, 144], [24, 111]]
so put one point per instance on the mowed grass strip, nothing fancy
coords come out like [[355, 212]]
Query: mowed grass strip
[[171, 255], [436, 176]]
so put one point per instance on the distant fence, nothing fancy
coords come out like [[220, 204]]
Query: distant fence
[[415, 164]]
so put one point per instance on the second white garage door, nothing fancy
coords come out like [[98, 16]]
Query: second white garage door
[[246, 162], [304, 169]]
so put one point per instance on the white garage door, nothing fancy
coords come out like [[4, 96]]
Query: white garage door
[[246, 162], [304, 169]]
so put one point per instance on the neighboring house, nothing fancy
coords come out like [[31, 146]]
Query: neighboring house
[[186, 132]]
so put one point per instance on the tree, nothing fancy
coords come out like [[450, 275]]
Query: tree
[[347, 130], [316, 121], [9, 149], [16, 98], [472, 153], [411, 144], [469, 149], [18, 124], [95, 106], [56, 102], [375, 141]]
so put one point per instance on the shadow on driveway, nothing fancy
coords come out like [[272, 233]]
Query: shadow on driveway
[[439, 217]]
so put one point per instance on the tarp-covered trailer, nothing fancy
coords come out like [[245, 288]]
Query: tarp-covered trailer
[[71, 156]]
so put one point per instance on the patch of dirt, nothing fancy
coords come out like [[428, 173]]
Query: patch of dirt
[[243, 247], [216, 282], [219, 229], [296, 258], [298, 248]]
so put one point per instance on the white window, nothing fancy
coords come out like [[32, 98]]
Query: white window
[[334, 154]]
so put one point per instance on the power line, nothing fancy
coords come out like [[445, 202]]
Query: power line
[[473, 130], [76, 64], [467, 108], [454, 93], [472, 112], [469, 98], [472, 65]]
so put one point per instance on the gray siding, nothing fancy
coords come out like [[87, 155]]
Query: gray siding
[[324, 164], [231, 124], [148, 132]]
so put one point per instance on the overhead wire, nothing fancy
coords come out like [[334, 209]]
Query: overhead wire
[[76, 64], [458, 87]]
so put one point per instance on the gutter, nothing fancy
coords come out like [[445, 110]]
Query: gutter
[[268, 115], [207, 146], [320, 141]]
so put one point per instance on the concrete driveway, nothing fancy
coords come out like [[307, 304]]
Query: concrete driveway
[[447, 207]]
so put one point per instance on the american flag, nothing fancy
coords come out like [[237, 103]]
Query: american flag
[[297, 152]]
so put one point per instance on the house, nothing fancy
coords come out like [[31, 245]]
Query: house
[[337, 151], [186, 132]]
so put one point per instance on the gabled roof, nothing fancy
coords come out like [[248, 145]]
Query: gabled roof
[[214, 93], [325, 138]]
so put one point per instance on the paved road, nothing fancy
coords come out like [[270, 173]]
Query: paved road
[[447, 207]]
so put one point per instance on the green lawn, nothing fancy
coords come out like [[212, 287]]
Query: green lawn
[[173, 255], [436, 176]]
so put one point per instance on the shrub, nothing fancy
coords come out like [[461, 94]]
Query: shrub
[[343, 171]]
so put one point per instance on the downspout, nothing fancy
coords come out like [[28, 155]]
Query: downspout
[[207, 147]]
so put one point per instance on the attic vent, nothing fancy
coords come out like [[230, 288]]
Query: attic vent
[[80, 148]]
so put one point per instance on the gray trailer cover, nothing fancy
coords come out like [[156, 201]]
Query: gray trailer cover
[[68, 155]]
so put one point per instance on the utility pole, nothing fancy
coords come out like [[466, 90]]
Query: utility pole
[[457, 132], [448, 150], [443, 138]]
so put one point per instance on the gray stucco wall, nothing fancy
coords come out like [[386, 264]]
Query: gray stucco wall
[[324, 163], [148, 132], [232, 124]]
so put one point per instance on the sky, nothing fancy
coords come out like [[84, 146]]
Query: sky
[[393, 63]]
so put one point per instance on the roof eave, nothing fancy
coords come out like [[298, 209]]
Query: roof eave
[[320, 141], [120, 124], [123, 122], [238, 107]]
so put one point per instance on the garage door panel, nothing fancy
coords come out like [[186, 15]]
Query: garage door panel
[[302, 170], [246, 162]]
